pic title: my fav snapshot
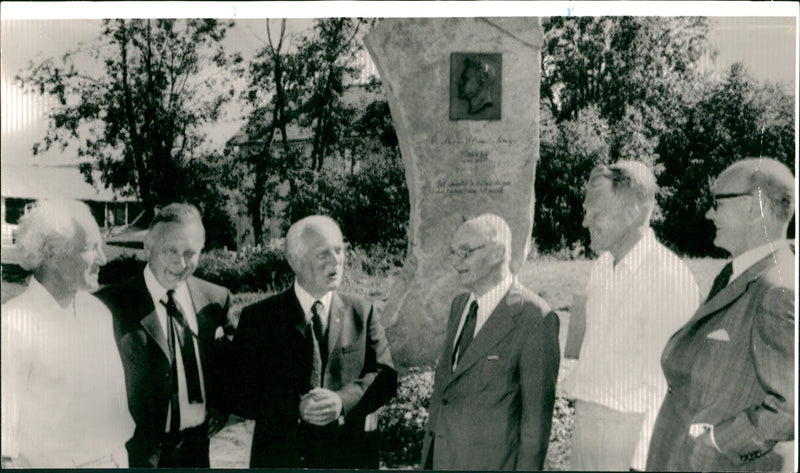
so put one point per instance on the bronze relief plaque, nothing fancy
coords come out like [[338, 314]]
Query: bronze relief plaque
[[476, 86]]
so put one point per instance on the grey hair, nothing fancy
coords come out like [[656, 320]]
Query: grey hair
[[494, 228], [632, 181], [51, 223], [294, 245], [772, 178], [181, 213]]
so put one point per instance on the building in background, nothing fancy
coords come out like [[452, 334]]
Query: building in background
[[23, 185]]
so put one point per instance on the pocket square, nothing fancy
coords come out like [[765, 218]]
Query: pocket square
[[493, 358], [719, 334]]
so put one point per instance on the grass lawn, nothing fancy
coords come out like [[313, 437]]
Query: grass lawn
[[557, 281]]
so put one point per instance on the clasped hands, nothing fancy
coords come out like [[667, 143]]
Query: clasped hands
[[320, 406]]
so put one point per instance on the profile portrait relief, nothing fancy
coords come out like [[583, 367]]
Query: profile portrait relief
[[475, 86]]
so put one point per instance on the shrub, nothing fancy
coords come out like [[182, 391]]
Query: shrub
[[120, 270], [255, 269], [402, 420]]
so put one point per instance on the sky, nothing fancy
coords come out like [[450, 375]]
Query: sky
[[766, 44]]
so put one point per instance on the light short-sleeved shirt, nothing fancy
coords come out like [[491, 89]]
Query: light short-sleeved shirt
[[631, 312], [64, 402]]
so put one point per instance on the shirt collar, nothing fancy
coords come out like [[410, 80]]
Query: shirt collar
[[638, 253], [752, 256], [489, 301], [307, 300], [44, 299]]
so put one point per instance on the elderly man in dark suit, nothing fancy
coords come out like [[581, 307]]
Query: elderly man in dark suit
[[169, 327], [495, 381], [730, 369], [311, 362]]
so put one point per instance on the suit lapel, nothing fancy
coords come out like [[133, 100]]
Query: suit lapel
[[334, 323], [497, 326], [149, 320], [205, 327], [722, 299], [445, 367], [152, 325], [732, 291]]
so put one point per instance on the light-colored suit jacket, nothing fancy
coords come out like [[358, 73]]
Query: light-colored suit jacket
[[494, 411], [732, 366]]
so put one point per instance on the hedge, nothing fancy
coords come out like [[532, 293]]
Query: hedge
[[402, 422], [252, 270]]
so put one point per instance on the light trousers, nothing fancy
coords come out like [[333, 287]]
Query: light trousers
[[604, 439]]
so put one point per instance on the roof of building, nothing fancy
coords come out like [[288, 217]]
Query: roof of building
[[41, 182]]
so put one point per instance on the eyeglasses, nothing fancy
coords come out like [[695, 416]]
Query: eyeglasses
[[718, 197], [464, 253]]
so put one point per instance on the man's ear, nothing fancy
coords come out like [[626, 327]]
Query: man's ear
[[498, 251], [633, 214]]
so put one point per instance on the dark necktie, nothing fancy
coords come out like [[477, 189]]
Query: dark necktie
[[316, 359], [467, 333], [721, 281], [319, 332], [184, 335], [174, 403]]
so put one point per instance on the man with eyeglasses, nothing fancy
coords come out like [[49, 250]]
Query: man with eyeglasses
[[637, 295], [494, 390], [730, 405]]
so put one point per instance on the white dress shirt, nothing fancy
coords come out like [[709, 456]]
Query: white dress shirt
[[631, 311], [192, 415], [307, 301], [64, 402], [487, 303]]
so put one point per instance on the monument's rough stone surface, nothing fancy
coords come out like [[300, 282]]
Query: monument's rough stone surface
[[460, 159]]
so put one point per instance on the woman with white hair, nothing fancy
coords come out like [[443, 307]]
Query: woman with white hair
[[64, 402]]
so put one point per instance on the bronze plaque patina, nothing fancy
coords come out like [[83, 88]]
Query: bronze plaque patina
[[476, 86]]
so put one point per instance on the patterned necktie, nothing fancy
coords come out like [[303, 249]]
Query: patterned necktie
[[721, 281], [184, 335], [319, 332], [467, 334]]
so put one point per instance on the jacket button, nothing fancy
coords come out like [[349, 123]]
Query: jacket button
[[444, 402], [669, 389]]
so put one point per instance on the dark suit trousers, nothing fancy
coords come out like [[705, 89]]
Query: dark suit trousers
[[338, 448], [187, 449]]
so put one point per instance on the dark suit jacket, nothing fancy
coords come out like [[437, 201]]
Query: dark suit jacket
[[273, 367], [145, 356], [494, 412], [732, 366]]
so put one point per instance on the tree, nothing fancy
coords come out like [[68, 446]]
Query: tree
[[569, 151], [141, 118], [328, 54], [257, 169], [616, 62], [735, 118], [611, 88]]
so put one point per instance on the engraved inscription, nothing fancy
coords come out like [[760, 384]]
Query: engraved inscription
[[461, 186]]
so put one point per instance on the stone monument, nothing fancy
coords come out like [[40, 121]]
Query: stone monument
[[464, 98]]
